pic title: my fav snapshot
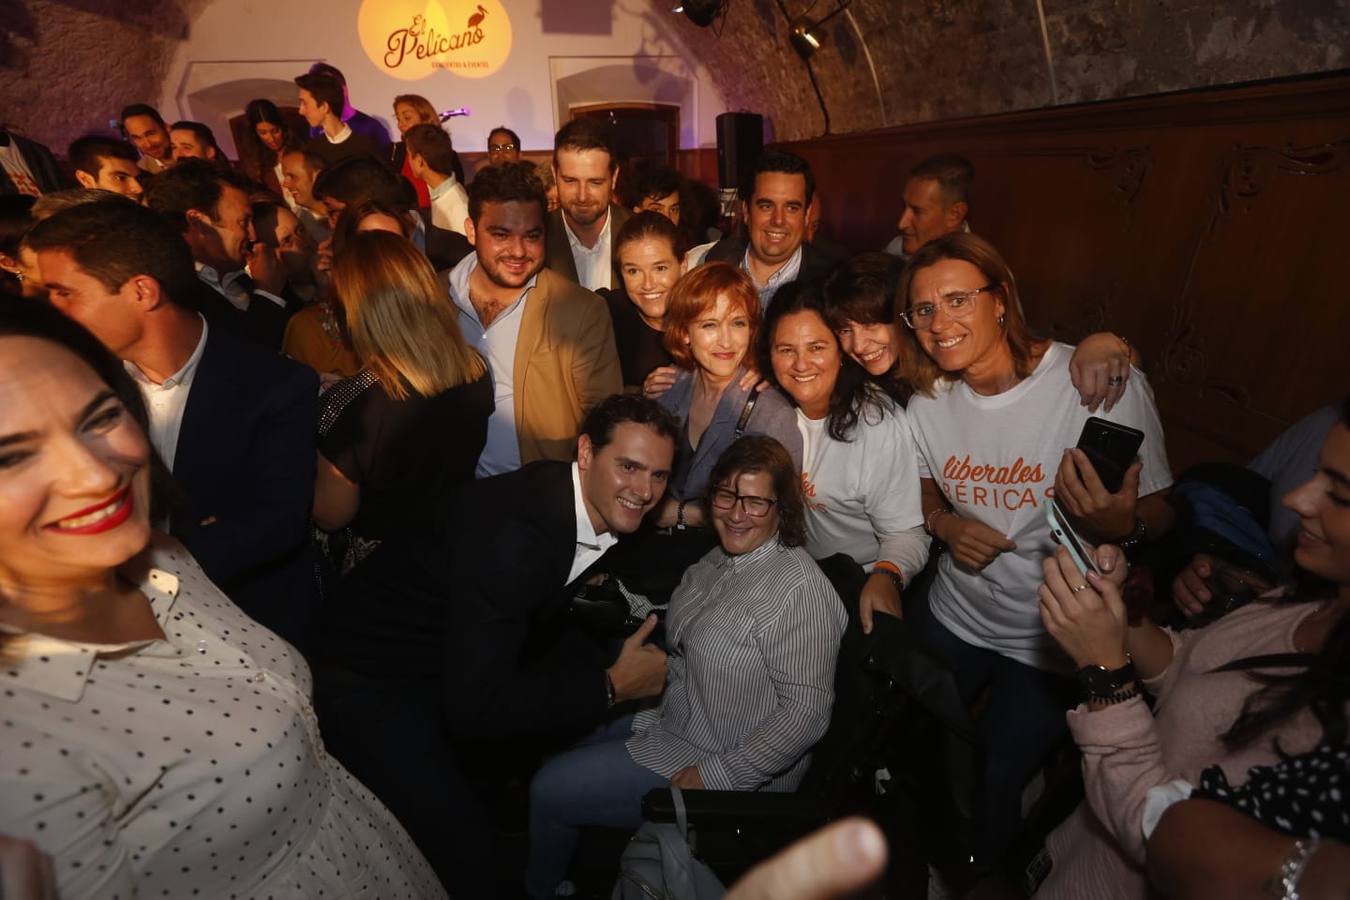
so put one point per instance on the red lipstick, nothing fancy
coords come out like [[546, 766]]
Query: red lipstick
[[127, 506]]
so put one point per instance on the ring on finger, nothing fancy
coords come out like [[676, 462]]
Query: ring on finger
[[1081, 587], [1116, 380]]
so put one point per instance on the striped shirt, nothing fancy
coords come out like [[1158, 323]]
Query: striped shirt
[[750, 679]]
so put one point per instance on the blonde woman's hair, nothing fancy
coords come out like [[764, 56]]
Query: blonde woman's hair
[[421, 105], [400, 318]]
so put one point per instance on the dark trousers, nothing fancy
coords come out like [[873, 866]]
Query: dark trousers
[[1020, 723], [391, 735]]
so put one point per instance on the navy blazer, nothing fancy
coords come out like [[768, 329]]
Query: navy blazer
[[244, 467]]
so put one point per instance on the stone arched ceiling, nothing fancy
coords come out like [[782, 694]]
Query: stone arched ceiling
[[937, 59], [65, 62]]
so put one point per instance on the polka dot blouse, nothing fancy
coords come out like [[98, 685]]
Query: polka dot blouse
[[188, 767]]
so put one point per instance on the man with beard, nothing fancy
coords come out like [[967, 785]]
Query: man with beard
[[548, 342], [146, 128], [580, 231]]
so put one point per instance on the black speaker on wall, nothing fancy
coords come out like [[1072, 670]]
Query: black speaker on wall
[[740, 140]]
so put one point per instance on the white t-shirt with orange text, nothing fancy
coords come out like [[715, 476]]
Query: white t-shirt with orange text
[[994, 459]]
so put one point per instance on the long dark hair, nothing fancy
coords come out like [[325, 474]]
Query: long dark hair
[[862, 290], [266, 111], [854, 396], [1323, 687]]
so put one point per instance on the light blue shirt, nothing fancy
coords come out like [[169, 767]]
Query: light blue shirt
[[497, 344], [786, 273]]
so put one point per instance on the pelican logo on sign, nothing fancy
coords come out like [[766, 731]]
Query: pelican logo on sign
[[411, 39]]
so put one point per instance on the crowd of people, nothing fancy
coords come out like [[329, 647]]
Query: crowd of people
[[311, 464]]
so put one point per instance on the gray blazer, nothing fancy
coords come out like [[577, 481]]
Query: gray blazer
[[773, 416]]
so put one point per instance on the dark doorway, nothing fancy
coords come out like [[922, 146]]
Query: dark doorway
[[646, 134]]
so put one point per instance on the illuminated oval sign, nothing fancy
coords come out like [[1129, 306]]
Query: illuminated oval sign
[[411, 39]]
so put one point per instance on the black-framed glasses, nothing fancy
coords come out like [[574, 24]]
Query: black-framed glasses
[[755, 507], [959, 305]]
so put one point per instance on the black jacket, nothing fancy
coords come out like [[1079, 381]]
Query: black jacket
[[482, 603], [816, 263], [46, 173], [244, 469], [558, 249]]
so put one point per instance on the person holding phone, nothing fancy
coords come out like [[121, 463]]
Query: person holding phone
[[1265, 683], [992, 414]]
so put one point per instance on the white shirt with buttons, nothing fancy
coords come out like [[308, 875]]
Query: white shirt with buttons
[[190, 766], [166, 401], [595, 265]]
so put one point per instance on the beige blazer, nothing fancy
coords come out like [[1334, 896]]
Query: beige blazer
[[565, 363]]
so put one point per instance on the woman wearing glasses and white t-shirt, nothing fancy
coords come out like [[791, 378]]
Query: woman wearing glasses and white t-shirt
[[992, 414]]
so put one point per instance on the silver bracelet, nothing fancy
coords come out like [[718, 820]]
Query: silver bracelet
[[1294, 864]]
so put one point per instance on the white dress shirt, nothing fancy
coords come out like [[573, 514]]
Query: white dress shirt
[[449, 205], [341, 136], [165, 401], [595, 265], [190, 765], [233, 286], [497, 344], [590, 546]]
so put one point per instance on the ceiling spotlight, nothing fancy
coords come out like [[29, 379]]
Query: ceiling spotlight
[[702, 12], [803, 36]]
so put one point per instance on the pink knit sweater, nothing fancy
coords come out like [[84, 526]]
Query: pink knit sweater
[[1098, 851]]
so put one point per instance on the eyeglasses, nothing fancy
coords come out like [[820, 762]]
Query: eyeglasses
[[755, 507], [501, 148], [959, 305]]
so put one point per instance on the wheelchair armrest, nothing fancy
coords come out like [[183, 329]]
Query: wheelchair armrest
[[714, 808]]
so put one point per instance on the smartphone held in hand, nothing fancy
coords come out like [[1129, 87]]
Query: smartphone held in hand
[[1068, 538]]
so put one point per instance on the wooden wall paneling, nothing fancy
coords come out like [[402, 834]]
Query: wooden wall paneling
[[1207, 227]]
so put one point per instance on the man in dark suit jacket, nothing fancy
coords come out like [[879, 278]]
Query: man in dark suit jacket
[[772, 247], [210, 209], [45, 174], [584, 228], [464, 633], [234, 423]]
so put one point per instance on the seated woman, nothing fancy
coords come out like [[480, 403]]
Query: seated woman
[[648, 252], [157, 741], [413, 421], [711, 321], [992, 412], [858, 461], [753, 633], [860, 306], [1267, 680]]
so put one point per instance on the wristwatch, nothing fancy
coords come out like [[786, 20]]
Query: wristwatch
[[680, 524], [1136, 536], [1100, 682]]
